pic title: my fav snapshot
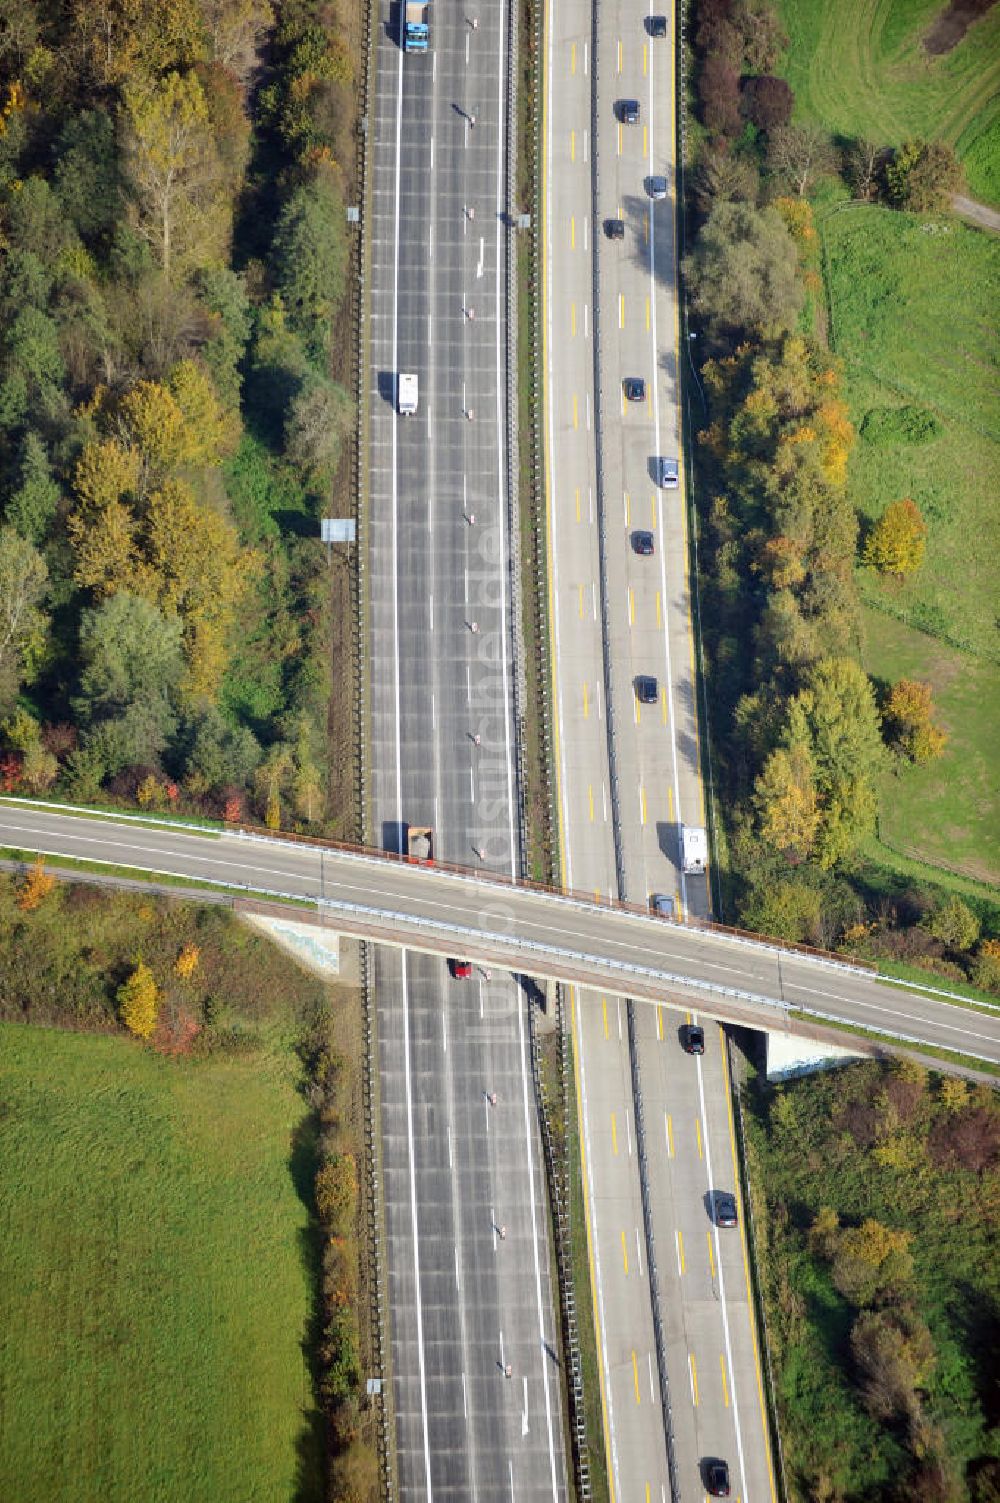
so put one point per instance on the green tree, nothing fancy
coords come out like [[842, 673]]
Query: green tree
[[34, 502], [24, 580], [743, 271], [224, 294], [789, 910], [986, 966], [319, 420], [172, 164], [130, 654], [954, 924], [87, 174], [31, 346], [785, 795], [309, 262], [897, 542], [139, 1001], [835, 715]]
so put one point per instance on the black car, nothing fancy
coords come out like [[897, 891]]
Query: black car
[[646, 689], [614, 229], [725, 1215], [643, 543], [634, 388], [656, 26], [717, 1479], [693, 1039], [628, 111]]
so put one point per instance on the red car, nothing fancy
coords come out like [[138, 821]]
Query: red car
[[461, 970]]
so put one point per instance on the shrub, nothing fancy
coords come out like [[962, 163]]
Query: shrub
[[139, 1001], [897, 542], [884, 426], [954, 924]]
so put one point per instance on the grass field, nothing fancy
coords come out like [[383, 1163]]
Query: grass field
[[946, 812], [921, 382], [861, 69], [154, 1281]]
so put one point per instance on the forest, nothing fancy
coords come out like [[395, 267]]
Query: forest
[[174, 417]]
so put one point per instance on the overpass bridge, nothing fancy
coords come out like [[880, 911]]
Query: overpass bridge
[[526, 929]]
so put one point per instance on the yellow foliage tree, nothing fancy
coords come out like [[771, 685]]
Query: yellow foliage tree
[[36, 886], [787, 806], [908, 713], [139, 1001], [151, 425], [187, 962], [104, 543], [210, 432], [104, 473], [897, 542]]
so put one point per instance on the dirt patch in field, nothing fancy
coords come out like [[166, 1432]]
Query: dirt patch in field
[[951, 26]]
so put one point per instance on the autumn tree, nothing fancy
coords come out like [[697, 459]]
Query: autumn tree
[[864, 162], [923, 176], [894, 1356], [908, 720], [172, 164], [187, 962], [336, 1193], [767, 101], [743, 271], [897, 542], [871, 1263], [35, 888], [234, 28], [719, 95], [799, 155], [139, 1001], [725, 175], [23, 583], [116, 40]]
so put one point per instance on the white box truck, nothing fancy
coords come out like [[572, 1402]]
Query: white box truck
[[694, 850], [406, 396]]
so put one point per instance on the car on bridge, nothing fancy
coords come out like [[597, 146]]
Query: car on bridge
[[461, 970], [634, 388], [656, 187], [656, 26], [647, 690], [627, 111], [644, 543], [614, 229]]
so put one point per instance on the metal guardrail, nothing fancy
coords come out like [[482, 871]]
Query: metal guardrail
[[378, 1301], [659, 1337]]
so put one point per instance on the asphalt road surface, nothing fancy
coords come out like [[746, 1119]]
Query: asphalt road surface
[[464, 1193], [526, 931]]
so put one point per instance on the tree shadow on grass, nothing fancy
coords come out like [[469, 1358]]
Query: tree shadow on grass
[[311, 1449]]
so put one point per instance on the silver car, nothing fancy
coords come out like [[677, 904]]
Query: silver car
[[666, 473]]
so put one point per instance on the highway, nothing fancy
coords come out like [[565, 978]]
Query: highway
[[476, 1381], [717, 1404]]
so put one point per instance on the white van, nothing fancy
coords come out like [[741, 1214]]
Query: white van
[[407, 395]]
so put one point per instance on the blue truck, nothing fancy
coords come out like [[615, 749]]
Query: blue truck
[[415, 24]]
